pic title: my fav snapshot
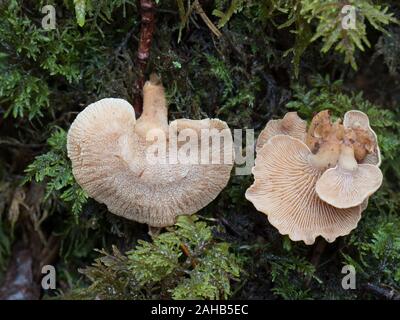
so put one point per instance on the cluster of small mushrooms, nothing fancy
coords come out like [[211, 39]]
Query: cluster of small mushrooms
[[310, 183], [315, 182]]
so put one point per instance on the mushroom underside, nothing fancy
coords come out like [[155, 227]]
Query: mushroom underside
[[109, 162], [284, 189]]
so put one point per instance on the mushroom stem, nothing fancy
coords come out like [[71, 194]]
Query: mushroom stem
[[326, 157], [154, 231], [317, 251], [347, 160], [155, 111]]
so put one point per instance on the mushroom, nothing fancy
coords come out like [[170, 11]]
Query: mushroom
[[367, 142], [291, 125], [320, 184], [349, 183], [109, 153], [366, 151], [285, 174]]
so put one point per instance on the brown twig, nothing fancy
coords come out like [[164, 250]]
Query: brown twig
[[187, 253], [147, 8], [318, 250], [199, 10], [11, 142]]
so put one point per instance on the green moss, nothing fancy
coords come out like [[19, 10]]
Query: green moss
[[54, 167], [185, 262], [267, 61]]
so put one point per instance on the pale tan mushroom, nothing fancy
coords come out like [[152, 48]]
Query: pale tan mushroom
[[359, 122], [285, 174], [108, 149], [291, 125], [349, 183], [366, 144], [318, 185]]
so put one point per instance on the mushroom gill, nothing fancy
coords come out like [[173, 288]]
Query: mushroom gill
[[349, 184], [316, 185], [284, 189], [109, 151]]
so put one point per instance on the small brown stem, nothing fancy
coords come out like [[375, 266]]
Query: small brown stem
[[187, 253], [318, 250], [147, 8], [154, 231]]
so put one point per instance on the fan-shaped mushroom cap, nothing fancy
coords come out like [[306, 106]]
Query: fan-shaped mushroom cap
[[108, 149], [291, 125], [348, 184], [284, 189], [367, 142]]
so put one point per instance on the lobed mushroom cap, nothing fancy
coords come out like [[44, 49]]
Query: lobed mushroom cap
[[355, 119], [109, 162], [291, 125], [284, 189], [342, 188]]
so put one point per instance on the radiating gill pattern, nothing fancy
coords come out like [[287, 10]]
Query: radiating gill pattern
[[344, 189], [284, 189]]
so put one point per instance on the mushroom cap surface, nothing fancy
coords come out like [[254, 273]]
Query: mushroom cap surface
[[284, 189], [291, 124], [355, 119], [109, 162]]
